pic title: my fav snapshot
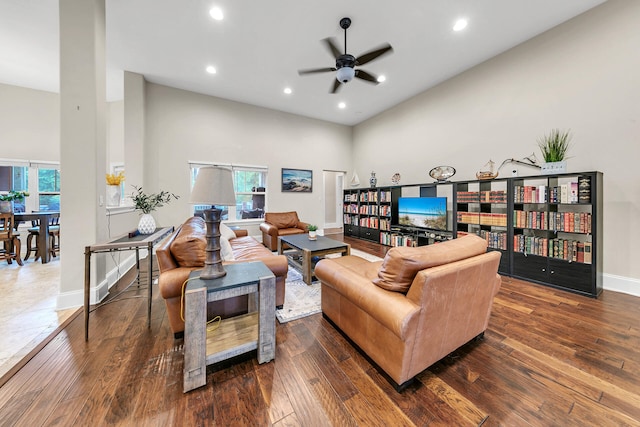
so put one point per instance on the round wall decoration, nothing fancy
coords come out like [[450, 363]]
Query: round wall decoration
[[395, 179]]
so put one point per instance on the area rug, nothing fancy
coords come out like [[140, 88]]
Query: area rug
[[302, 300]]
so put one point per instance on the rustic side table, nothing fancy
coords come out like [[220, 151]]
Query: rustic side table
[[255, 330]]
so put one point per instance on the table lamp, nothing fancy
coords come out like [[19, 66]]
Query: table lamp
[[214, 186]]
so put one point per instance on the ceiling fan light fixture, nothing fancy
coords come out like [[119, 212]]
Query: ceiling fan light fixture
[[345, 74], [460, 25], [216, 13]]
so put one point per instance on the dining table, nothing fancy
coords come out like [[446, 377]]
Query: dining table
[[44, 219]]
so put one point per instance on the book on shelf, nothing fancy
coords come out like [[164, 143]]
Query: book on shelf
[[587, 253]]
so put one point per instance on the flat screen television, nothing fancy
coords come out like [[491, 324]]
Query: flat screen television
[[423, 212]]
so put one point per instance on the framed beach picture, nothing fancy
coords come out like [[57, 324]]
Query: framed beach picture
[[297, 180]]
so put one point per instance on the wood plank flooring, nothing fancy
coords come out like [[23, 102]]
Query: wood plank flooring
[[549, 358]]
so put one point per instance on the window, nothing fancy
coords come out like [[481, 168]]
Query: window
[[250, 185], [41, 180], [15, 178], [48, 189]]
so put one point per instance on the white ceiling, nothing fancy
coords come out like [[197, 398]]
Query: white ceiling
[[259, 46]]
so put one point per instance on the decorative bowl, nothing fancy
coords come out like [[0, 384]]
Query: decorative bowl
[[442, 173]]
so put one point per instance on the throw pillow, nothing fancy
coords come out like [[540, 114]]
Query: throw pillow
[[226, 232], [188, 248], [226, 252], [401, 264]]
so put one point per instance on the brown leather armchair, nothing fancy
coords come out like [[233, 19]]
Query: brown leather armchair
[[280, 224], [415, 307]]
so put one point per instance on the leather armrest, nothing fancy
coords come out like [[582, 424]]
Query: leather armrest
[[165, 259], [392, 309], [303, 225], [240, 232], [269, 229]]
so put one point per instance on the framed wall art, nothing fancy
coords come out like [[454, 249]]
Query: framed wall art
[[297, 180]]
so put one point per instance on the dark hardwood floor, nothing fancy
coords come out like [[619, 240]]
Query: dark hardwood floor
[[549, 358]]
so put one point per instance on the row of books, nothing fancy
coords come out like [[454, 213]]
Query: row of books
[[493, 196], [385, 224], [390, 239], [368, 209], [369, 222], [350, 219], [495, 239], [351, 197], [385, 196], [571, 222], [352, 208], [369, 196], [483, 218], [531, 219], [565, 249], [572, 192]]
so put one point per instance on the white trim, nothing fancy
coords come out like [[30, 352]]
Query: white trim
[[622, 284], [99, 292]]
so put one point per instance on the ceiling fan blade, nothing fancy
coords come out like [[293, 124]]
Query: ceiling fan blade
[[336, 85], [316, 70], [361, 74], [370, 56], [331, 45]]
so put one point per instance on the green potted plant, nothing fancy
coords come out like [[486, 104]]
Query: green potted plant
[[554, 147], [6, 200], [312, 232], [148, 203]]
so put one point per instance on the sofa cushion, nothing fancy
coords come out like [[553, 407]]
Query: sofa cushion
[[188, 247], [282, 219], [401, 264], [225, 249]]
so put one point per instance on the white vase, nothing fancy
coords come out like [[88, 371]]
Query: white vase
[[313, 235], [113, 195], [550, 168], [147, 224]]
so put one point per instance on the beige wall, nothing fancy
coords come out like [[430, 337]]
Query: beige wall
[[184, 126], [582, 75], [29, 124]]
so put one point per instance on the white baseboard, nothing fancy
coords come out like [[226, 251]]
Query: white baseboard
[[622, 284], [98, 292]]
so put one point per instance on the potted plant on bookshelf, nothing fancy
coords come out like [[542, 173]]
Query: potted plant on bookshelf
[[554, 149], [148, 203], [6, 200], [313, 229]]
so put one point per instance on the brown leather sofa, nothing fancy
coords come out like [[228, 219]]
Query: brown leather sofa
[[414, 307], [280, 224], [184, 251]]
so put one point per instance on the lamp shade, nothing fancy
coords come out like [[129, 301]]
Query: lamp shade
[[214, 186]]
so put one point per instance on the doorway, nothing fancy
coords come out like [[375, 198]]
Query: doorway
[[333, 185]]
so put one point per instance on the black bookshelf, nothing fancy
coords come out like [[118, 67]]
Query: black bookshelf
[[548, 228]]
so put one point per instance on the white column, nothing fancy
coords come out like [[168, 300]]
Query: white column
[[82, 141]]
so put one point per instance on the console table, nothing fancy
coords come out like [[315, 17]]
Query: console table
[[124, 243], [233, 336]]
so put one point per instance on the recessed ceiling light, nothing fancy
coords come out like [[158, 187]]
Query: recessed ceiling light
[[287, 90], [342, 105], [460, 25], [381, 79], [211, 69], [216, 13]]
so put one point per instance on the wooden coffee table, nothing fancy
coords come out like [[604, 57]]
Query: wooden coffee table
[[309, 248]]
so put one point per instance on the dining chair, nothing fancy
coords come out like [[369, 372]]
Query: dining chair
[[34, 232], [10, 239]]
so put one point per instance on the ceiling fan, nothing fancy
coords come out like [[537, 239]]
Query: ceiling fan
[[345, 63]]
